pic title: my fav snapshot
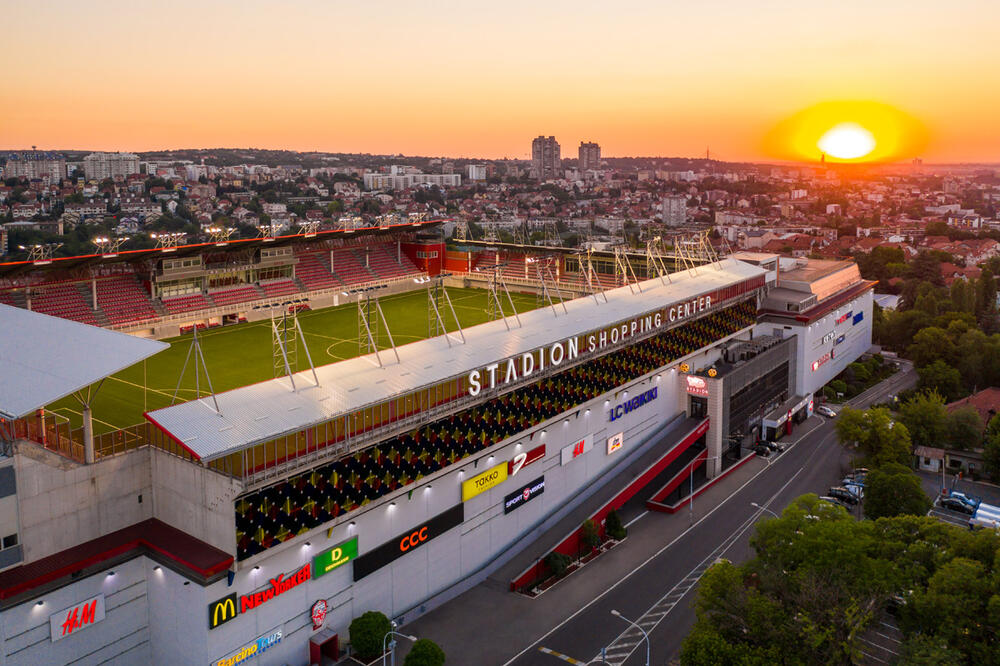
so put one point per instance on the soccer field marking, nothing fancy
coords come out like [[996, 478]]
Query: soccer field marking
[[153, 390], [92, 418]]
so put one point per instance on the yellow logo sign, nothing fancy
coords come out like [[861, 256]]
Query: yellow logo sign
[[221, 611], [494, 476]]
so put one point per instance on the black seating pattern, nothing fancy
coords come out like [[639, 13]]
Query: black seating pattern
[[269, 516]]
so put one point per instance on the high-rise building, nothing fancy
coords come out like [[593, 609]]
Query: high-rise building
[[674, 210], [35, 164], [98, 166], [590, 156], [546, 162]]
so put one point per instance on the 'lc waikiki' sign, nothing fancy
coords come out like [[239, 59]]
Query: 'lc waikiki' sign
[[516, 368]]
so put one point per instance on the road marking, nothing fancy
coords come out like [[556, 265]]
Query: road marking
[[636, 519], [894, 640], [560, 655], [871, 656]]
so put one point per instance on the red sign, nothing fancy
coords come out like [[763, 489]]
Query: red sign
[[696, 385], [841, 319], [279, 585], [524, 459], [318, 613], [66, 622], [822, 359]]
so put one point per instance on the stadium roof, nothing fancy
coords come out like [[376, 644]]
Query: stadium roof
[[12, 269], [270, 409], [45, 358]]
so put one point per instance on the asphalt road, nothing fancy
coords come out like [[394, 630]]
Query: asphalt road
[[659, 593]]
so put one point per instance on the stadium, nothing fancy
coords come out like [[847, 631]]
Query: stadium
[[346, 422]]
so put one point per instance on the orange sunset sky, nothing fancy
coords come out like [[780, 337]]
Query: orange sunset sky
[[482, 78]]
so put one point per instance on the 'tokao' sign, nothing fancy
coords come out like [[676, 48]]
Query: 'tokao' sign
[[480, 483]]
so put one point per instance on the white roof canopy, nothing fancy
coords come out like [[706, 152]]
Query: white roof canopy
[[45, 358], [270, 409]]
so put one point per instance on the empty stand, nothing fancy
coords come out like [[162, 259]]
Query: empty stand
[[185, 303], [280, 287], [384, 265], [314, 273], [349, 269], [123, 300], [231, 295], [63, 300]]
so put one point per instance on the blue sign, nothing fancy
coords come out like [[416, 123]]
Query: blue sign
[[858, 317], [624, 408], [839, 340]]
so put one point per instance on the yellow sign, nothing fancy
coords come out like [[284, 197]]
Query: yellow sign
[[684, 367], [494, 476]]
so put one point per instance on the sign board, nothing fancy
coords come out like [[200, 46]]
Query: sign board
[[844, 317], [411, 539], [858, 317], [480, 483], [615, 442], [521, 460], [317, 613], [276, 586], [222, 610], [525, 494], [638, 401], [821, 360], [576, 449], [76, 618], [254, 648], [828, 337], [696, 385], [332, 558]]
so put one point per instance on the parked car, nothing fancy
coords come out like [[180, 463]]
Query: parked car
[[761, 450], [777, 447], [857, 489], [832, 500], [956, 504], [823, 410], [844, 495]]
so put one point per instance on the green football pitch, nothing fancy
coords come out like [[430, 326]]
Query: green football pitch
[[243, 354]]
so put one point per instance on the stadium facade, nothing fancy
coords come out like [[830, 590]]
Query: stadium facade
[[255, 524]]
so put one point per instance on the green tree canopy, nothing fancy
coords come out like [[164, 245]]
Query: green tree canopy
[[942, 378], [875, 435], [925, 418], [963, 429], [894, 490], [367, 633], [424, 652]]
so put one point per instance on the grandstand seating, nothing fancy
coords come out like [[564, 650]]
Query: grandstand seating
[[63, 300], [314, 273], [186, 303], [384, 264], [123, 300], [349, 269], [269, 516], [6, 297], [280, 287], [231, 295]]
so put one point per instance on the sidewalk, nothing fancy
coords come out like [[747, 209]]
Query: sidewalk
[[488, 624]]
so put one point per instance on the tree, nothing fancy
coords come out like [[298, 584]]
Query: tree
[[941, 377], [874, 434], [991, 450], [590, 536], [929, 345], [424, 652], [925, 418], [963, 429], [367, 633], [894, 490], [613, 526], [921, 650], [558, 563], [986, 293]]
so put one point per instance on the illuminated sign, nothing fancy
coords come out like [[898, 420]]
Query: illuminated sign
[[844, 317], [411, 539], [515, 464], [332, 558], [71, 620], [858, 317], [318, 613], [696, 385], [571, 452], [821, 360], [480, 483], [638, 401], [615, 442], [838, 340], [253, 649], [528, 492], [278, 586], [828, 337], [222, 610], [516, 368]]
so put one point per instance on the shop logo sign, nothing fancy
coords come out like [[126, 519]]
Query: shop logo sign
[[222, 610]]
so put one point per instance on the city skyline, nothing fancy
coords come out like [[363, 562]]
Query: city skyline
[[296, 78]]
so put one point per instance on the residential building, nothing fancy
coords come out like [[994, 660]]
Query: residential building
[[35, 164], [589, 156], [98, 166], [674, 210], [545, 158], [476, 171]]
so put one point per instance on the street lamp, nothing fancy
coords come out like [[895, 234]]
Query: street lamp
[[392, 644], [691, 494], [644, 634], [764, 508]]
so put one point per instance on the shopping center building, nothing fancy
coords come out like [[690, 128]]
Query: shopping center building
[[258, 522]]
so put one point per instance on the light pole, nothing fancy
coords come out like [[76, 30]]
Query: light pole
[[764, 508], [691, 493], [392, 644], [644, 634]]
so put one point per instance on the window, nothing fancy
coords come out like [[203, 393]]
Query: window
[[10, 541]]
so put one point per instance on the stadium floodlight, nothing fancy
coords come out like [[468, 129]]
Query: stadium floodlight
[[219, 235], [107, 247], [309, 228], [41, 253], [168, 241]]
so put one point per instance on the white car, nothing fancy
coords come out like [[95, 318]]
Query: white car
[[826, 411]]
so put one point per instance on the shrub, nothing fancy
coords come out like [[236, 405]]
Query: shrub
[[558, 563], [424, 652], [839, 385], [613, 526], [590, 537], [367, 633]]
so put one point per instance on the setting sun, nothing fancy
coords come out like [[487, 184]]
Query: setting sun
[[847, 141]]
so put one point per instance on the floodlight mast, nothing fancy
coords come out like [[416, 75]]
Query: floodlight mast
[[168, 241], [40, 252], [107, 246]]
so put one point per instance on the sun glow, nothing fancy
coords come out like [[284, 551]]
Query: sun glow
[[847, 141], [847, 132]]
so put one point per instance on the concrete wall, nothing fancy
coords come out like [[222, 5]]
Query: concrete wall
[[9, 514], [122, 637], [63, 504], [194, 499]]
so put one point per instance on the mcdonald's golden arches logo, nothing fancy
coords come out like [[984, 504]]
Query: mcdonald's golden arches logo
[[222, 610]]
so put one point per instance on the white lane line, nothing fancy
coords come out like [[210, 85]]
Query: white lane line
[[871, 656], [894, 640], [636, 519]]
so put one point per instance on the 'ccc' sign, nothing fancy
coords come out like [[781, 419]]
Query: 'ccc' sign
[[413, 539]]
